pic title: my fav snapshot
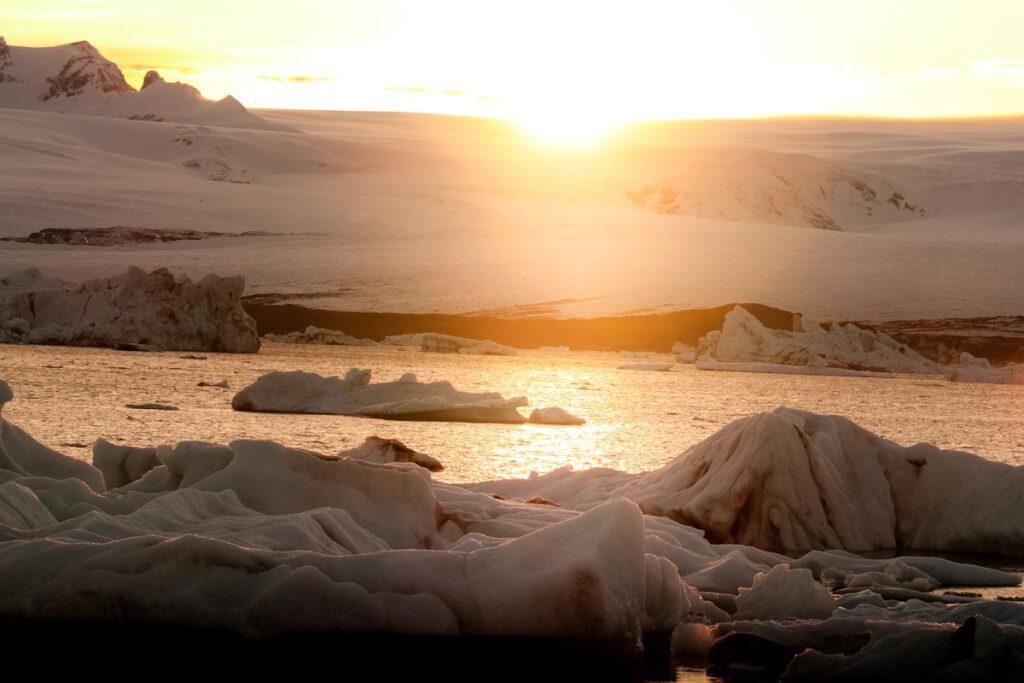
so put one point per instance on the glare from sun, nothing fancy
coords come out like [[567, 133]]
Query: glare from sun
[[561, 128]]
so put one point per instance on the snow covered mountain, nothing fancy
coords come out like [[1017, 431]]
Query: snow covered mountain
[[76, 78]]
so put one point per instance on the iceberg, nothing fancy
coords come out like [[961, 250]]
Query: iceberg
[[405, 399], [794, 481], [133, 310], [745, 344], [973, 369], [554, 416], [446, 343], [262, 541], [319, 335]]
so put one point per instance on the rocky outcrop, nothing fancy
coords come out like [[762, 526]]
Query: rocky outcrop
[[85, 68], [136, 309], [121, 234]]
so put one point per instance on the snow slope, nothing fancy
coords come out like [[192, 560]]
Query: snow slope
[[432, 213], [76, 78]]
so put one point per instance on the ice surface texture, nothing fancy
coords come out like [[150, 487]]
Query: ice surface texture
[[135, 309]]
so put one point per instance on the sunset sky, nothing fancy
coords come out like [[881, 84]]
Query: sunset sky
[[563, 62]]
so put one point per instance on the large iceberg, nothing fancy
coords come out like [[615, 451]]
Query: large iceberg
[[793, 481], [263, 541], [745, 344], [447, 343], [353, 394], [135, 309]]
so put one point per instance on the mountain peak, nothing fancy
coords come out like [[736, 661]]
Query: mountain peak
[[151, 78]]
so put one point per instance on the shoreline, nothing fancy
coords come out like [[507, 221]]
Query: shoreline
[[999, 339], [648, 332]]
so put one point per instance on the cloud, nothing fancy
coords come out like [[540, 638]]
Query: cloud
[[294, 79], [940, 72], [418, 90], [1013, 68], [164, 67]]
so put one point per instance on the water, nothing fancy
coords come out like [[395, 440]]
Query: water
[[636, 421]]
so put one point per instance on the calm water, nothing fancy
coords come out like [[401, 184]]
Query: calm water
[[636, 421]]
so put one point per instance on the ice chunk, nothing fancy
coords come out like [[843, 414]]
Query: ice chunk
[[554, 416], [134, 310], [784, 593], [380, 450], [446, 343], [980, 370], [684, 353], [406, 399], [319, 335], [744, 340]]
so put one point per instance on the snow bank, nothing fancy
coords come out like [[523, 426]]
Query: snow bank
[[135, 309], [975, 369], [554, 416], [792, 481], [406, 399], [319, 335], [743, 340], [446, 343]]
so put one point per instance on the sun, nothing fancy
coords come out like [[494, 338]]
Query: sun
[[567, 127]]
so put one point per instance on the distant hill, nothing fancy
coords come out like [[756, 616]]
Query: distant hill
[[76, 78]]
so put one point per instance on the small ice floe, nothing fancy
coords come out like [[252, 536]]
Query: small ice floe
[[974, 369], [447, 343], [150, 406], [554, 416], [319, 335]]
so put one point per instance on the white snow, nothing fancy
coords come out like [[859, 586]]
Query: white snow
[[150, 310], [76, 78], [848, 348], [446, 343], [405, 399]]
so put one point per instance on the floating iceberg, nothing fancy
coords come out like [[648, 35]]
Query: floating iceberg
[[554, 416], [319, 335], [684, 352], [446, 343], [406, 399], [795, 481], [973, 369], [751, 346], [132, 310]]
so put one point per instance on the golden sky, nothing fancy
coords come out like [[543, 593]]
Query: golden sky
[[562, 61]]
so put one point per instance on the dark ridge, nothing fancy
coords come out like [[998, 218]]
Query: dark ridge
[[653, 332], [1000, 339], [120, 234]]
